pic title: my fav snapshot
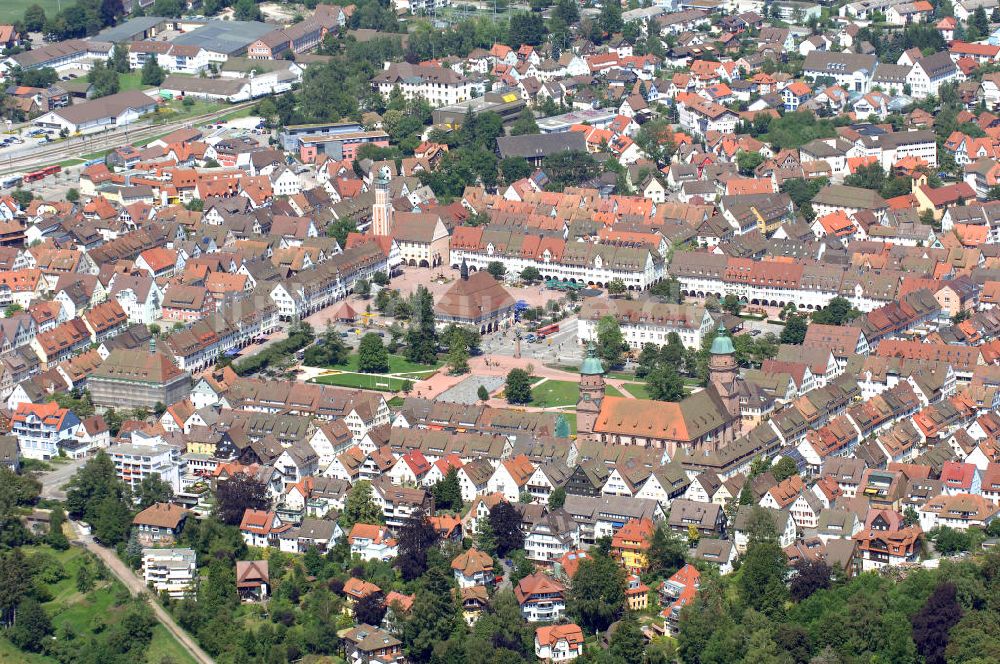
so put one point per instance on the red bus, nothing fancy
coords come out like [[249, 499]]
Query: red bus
[[546, 330], [41, 173]]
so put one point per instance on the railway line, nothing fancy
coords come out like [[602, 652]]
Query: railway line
[[75, 148]]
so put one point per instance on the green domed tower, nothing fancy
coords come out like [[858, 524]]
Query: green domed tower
[[591, 392], [722, 370]]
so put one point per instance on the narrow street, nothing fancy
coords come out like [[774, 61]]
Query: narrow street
[[138, 588]]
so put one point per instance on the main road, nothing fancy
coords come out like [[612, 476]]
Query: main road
[[139, 589], [73, 148]]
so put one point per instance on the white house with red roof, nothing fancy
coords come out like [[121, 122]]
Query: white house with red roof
[[41, 429], [410, 469], [261, 529], [371, 542], [559, 643]]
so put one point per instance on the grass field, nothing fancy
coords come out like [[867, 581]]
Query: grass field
[[397, 365], [131, 81], [235, 115], [638, 390], [364, 381], [88, 613], [164, 647], [555, 393], [13, 10], [571, 420]]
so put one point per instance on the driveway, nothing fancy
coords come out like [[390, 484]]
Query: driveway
[[54, 480], [139, 589]]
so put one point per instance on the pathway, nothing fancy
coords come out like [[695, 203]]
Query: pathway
[[138, 588]]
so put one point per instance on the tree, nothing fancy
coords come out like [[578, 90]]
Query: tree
[[567, 11], [119, 59], [56, 538], [34, 18], [610, 341], [372, 355], [482, 393], [370, 609], [784, 468], [433, 618], [530, 275], [980, 21], [731, 304], [518, 386], [247, 10], [458, 359], [421, 337], [809, 576], [611, 17], [84, 579], [15, 583], [505, 522], [597, 597], [152, 490], [762, 578], [239, 493], [416, 537], [96, 495], [525, 124], [152, 73], [105, 80], [380, 278], [837, 312], [362, 288], [526, 28], [497, 269], [23, 197], [748, 162], [331, 351], [628, 643], [72, 195], [569, 168], [360, 506], [501, 629], [557, 498], [616, 287], [795, 330], [664, 384], [448, 491], [112, 520], [32, 628], [486, 539], [934, 621], [666, 552]]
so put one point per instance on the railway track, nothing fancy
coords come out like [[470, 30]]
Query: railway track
[[76, 148]]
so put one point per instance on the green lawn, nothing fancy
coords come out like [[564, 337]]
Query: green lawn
[[90, 612], [555, 393], [612, 391], [397, 365], [132, 81], [638, 390], [364, 381], [571, 420], [175, 110], [242, 113], [11, 655], [13, 10], [164, 647]]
